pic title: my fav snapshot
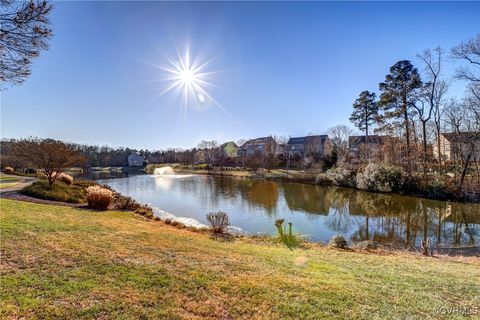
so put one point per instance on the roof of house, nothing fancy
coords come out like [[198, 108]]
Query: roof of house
[[363, 139], [461, 135], [233, 144], [303, 140], [134, 154], [258, 140]]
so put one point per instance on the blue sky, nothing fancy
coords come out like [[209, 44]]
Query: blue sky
[[287, 68]]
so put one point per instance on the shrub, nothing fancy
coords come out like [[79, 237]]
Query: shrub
[[218, 221], [8, 170], [366, 245], [145, 211], [337, 176], [338, 241], [99, 198], [168, 221], [65, 178], [381, 177], [178, 224], [437, 190], [121, 202]]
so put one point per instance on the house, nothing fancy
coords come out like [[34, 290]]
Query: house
[[454, 143], [135, 160], [262, 146], [357, 145], [319, 145], [229, 149], [200, 157], [382, 148]]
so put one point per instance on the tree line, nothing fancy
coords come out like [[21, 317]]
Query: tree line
[[415, 106]]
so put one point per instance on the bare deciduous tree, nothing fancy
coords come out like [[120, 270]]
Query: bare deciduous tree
[[432, 93], [464, 121], [49, 156], [468, 51], [24, 32], [339, 136]]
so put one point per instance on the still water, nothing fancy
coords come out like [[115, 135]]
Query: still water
[[318, 212]]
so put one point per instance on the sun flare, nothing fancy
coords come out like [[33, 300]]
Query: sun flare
[[190, 78]]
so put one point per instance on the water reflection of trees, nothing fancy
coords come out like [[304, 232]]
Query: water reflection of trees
[[254, 193], [394, 218], [382, 217], [339, 218], [308, 198]]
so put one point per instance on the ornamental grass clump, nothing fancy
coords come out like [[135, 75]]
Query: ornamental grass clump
[[65, 178], [99, 198], [219, 222], [8, 170]]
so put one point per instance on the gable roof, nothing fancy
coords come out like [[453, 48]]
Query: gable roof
[[258, 140], [461, 136], [229, 143], [303, 140]]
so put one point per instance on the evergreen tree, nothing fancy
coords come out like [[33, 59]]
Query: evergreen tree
[[365, 113], [398, 94]]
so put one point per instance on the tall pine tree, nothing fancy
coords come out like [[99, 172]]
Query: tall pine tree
[[365, 113], [398, 94]]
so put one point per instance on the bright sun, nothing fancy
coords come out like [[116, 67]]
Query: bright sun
[[189, 78]]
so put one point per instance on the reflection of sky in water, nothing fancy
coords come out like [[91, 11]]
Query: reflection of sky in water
[[317, 211]]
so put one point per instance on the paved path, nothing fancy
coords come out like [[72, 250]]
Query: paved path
[[12, 193], [24, 181]]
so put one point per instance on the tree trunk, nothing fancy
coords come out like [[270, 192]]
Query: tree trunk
[[366, 139], [464, 171], [407, 129]]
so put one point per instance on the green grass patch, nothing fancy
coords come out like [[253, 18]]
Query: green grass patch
[[62, 262], [59, 191]]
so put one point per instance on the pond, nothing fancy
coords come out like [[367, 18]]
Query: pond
[[318, 212]]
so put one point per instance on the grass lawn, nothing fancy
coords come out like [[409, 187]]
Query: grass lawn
[[75, 193], [61, 262]]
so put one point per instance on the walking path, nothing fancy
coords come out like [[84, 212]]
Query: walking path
[[12, 192], [18, 184]]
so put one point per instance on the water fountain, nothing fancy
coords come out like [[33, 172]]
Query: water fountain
[[164, 171]]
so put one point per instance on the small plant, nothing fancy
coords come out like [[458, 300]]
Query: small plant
[[99, 198], [124, 203], [286, 235], [168, 221], [427, 247], [178, 224], [65, 178], [218, 221], [8, 170], [145, 211], [338, 241], [366, 245]]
